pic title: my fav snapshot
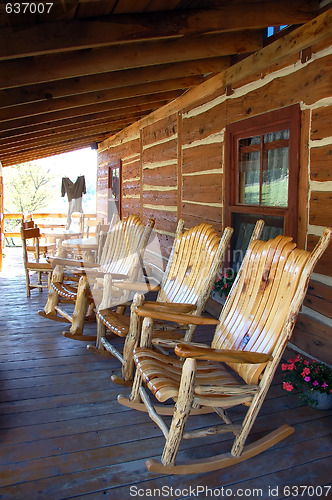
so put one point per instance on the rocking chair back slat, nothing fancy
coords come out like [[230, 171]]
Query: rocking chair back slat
[[194, 252], [256, 310]]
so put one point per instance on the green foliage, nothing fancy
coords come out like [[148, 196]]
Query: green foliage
[[223, 283], [28, 188], [300, 373]]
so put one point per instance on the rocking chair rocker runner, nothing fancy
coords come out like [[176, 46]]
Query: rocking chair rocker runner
[[121, 259], [196, 256], [255, 325]]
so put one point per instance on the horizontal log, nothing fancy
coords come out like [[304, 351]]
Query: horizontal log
[[160, 130], [201, 126], [131, 170], [309, 84], [320, 209], [130, 206], [165, 175], [110, 80], [130, 188], [195, 213], [321, 163], [204, 157], [202, 188], [321, 123], [319, 298], [165, 220], [323, 266], [165, 198], [116, 58], [313, 337], [161, 152], [48, 38]]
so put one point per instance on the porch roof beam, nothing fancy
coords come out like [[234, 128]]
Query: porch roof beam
[[27, 133], [32, 109], [51, 38], [110, 80], [76, 64], [95, 108]]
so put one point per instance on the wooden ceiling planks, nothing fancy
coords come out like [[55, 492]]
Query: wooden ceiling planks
[[87, 60]]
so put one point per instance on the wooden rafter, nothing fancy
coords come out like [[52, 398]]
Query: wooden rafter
[[50, 38], [110, 80], [75, 64]]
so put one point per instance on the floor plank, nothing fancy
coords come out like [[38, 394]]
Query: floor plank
[[63, 435]]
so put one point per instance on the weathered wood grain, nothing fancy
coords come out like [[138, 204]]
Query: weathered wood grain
[[202, 157], [203, 188], [314, 337], [321, 123], [321, 163], [320, 209], [324, 265]]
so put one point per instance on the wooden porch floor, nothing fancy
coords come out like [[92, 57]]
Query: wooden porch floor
[[63, 435]]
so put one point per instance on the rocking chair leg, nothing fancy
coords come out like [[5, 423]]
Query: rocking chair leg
[[181, 412], [146, 337], [81, 307], [132, 339]]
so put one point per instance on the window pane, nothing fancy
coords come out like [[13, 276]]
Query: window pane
[[115, 183], [275, 169], [243, 225], [249, 170]]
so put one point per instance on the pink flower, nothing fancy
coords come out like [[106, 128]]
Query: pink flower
[[306, 371], [306, 362], [284, 366], [307, 379], [287, 386], [324, 384], [315, 383], [291, 367]]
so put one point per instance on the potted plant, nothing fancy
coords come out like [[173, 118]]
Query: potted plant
[[223, 284], [312, 378]]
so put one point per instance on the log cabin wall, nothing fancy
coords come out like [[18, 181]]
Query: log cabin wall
[[173, 165]]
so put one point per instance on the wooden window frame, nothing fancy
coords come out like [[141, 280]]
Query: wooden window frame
[[272, 121]]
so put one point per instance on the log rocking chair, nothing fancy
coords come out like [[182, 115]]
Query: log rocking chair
[[121, 260], [195, 259], [254, 327]]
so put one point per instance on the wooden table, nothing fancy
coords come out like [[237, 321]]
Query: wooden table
[[53, 235], [82, 246]]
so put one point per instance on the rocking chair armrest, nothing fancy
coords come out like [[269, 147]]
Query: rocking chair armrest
[[190, 350], [55, 261], [173, 343], [137, 286], [96, 274], [167, 306], [186, 319]]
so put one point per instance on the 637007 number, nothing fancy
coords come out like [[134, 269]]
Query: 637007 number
[[29, 8]]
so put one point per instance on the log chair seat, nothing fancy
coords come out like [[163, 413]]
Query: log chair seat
[[254, 327], [121, 258]]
